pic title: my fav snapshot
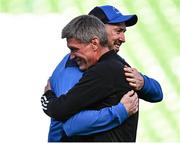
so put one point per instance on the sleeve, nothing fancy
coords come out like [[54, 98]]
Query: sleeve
[[151, 90], [95, 121], [56, 75], [81, 96]]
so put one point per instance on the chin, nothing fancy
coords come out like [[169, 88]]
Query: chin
[[116, 50], [82, 68]]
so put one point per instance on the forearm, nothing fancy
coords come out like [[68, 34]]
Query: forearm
[[65, 106], [151, 90], [95, 121], [57, 107], [47, 102]]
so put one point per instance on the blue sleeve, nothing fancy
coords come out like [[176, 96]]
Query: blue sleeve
[[56, 78], [95, 121], [151, 90]]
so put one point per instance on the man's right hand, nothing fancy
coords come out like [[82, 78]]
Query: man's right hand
[[134, 78], [131, 102], [47, 87]]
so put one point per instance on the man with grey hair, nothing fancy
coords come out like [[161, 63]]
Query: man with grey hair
[[67, 74], [102, 85]]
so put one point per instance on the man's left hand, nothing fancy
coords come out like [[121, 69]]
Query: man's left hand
[[134, 78]]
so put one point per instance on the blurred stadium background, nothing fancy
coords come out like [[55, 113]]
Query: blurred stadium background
[[152, 46]]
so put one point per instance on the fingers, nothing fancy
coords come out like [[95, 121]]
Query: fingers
[[125, 66], [130, 73], [134, 78], [131, 102], [135, 97], [134, 107], [129, 69], [131, 80], [48, 86], [135, 103], [129, 94]]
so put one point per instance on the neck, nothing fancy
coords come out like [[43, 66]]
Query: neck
[[102, 52]]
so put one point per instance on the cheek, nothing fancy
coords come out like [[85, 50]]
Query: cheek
[[112, 38], [88, 53], [78, 55], [115, 37]]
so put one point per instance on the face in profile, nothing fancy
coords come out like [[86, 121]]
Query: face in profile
[[82, 53], [115, 33]]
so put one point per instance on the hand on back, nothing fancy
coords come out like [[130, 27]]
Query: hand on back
[[134, 78], [130, 102]]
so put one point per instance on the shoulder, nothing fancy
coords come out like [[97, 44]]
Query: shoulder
[[61, 65], [65, 59], [110, 67], [113, 63]]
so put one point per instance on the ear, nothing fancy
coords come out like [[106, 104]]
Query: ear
[[95, 43]]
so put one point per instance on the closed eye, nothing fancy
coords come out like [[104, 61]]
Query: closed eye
[[120, 30], [73, 49]]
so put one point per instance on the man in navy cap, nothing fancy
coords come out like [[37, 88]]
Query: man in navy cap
[[67, 75], [115, 23]]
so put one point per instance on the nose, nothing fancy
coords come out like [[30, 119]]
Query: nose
[[122, 37]]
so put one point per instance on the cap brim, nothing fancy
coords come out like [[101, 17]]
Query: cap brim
[[129, 20]]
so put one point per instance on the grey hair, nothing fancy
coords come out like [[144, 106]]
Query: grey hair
[[84, 28]]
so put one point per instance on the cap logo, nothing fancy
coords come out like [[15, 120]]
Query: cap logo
[[116, 11]]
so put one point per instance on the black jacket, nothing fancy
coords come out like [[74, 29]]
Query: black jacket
[[102, 85]]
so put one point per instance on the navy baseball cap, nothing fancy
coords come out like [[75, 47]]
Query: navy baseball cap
[[110, 15]]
